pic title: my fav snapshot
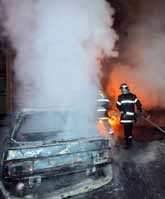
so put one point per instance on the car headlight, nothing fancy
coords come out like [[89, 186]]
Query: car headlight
[[21, 168]]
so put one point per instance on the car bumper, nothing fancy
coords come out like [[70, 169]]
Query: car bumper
[[87, 185]]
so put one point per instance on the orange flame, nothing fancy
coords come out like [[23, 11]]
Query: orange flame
[[114, 121]]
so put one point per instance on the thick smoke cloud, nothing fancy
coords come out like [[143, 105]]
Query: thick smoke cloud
[[58, 45], [143, 50]]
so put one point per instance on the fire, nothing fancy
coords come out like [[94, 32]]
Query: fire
[[114, 118], [123, 73], [114, 121]]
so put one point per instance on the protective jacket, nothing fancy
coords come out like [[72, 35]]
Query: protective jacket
[[126, 104], [102, 107]]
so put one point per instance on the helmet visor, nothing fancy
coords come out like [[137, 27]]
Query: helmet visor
[[124, 90]]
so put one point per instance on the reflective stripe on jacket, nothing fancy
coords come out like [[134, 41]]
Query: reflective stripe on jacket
[[102, 107]]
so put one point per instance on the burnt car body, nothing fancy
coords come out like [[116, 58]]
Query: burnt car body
[[42, 164]]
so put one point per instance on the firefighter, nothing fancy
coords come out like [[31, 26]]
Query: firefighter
[[103, 104], [126, 104]]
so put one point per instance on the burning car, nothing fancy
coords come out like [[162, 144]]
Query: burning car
[[38, 162]]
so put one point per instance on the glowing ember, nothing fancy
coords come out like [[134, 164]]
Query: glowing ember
[[113, 121], [114, 118]]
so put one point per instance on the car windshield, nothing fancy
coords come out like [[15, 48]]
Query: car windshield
[[41, 127]]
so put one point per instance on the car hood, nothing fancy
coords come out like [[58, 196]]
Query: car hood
[[42, 150]]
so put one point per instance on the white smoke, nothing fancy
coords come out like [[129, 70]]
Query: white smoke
[[58, 45], [149, 155]]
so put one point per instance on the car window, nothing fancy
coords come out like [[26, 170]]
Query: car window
[[40, 126]]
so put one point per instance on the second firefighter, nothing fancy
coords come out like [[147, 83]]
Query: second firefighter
[[102, 112]]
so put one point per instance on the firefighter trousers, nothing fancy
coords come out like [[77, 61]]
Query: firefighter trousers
[[128, 127]]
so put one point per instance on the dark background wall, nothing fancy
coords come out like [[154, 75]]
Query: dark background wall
[[6, 60]]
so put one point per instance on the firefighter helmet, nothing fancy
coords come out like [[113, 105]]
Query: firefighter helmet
[[124, 86], [101, 94]]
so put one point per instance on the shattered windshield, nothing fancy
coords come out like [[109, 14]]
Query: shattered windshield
[[41, 126]]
